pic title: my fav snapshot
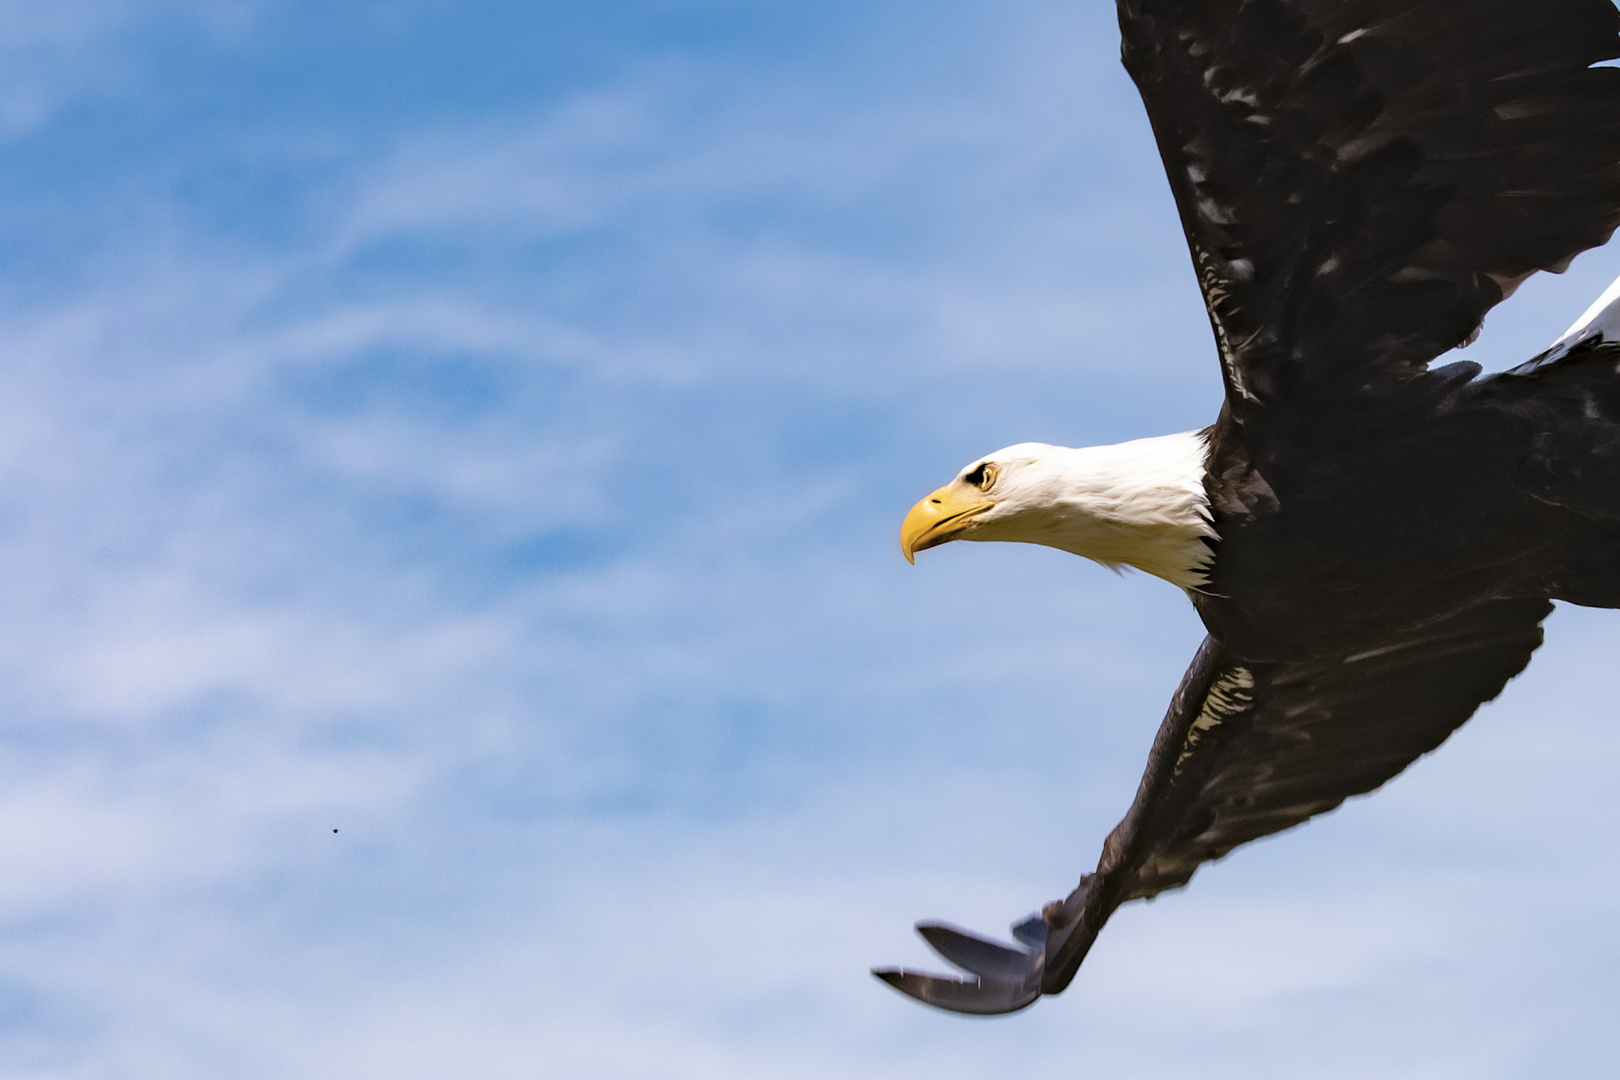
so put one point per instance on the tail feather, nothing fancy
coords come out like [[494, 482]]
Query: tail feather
[[1566, 402]]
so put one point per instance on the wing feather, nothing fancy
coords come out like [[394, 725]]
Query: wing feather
[[1360, 181], [1302, 737], [1250, 749]]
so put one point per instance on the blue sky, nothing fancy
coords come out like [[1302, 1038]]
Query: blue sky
[[482, 429]]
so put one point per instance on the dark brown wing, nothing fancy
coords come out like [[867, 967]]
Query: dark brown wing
[[1275, 744], [1360, 181], [1247, 750]]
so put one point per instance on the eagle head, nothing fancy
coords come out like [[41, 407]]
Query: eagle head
[[1139, 503]]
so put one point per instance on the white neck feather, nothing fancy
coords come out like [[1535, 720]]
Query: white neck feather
[[1139, 503]]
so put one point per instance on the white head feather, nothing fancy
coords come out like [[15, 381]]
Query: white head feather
[[1140, 503]]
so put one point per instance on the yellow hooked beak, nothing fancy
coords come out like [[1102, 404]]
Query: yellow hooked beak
[[941, 518]]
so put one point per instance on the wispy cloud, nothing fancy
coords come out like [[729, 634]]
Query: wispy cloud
[[53, 54]]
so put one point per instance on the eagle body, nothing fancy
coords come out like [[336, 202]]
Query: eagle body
[[1371, 542], [1413, 505]]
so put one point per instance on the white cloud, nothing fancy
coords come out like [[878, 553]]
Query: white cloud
[[51, 54]]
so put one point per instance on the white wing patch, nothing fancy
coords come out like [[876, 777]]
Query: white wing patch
[[1602, 318], [1229, 695]]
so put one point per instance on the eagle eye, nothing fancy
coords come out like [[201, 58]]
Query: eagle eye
[[982, 476]]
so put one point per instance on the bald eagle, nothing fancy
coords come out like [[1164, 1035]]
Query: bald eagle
[[1371, 543]]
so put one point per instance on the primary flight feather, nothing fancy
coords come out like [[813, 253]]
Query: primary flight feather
[[1371, 544]]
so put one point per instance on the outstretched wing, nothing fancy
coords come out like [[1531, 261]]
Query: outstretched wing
[[1247, 750], [1360, 181]]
